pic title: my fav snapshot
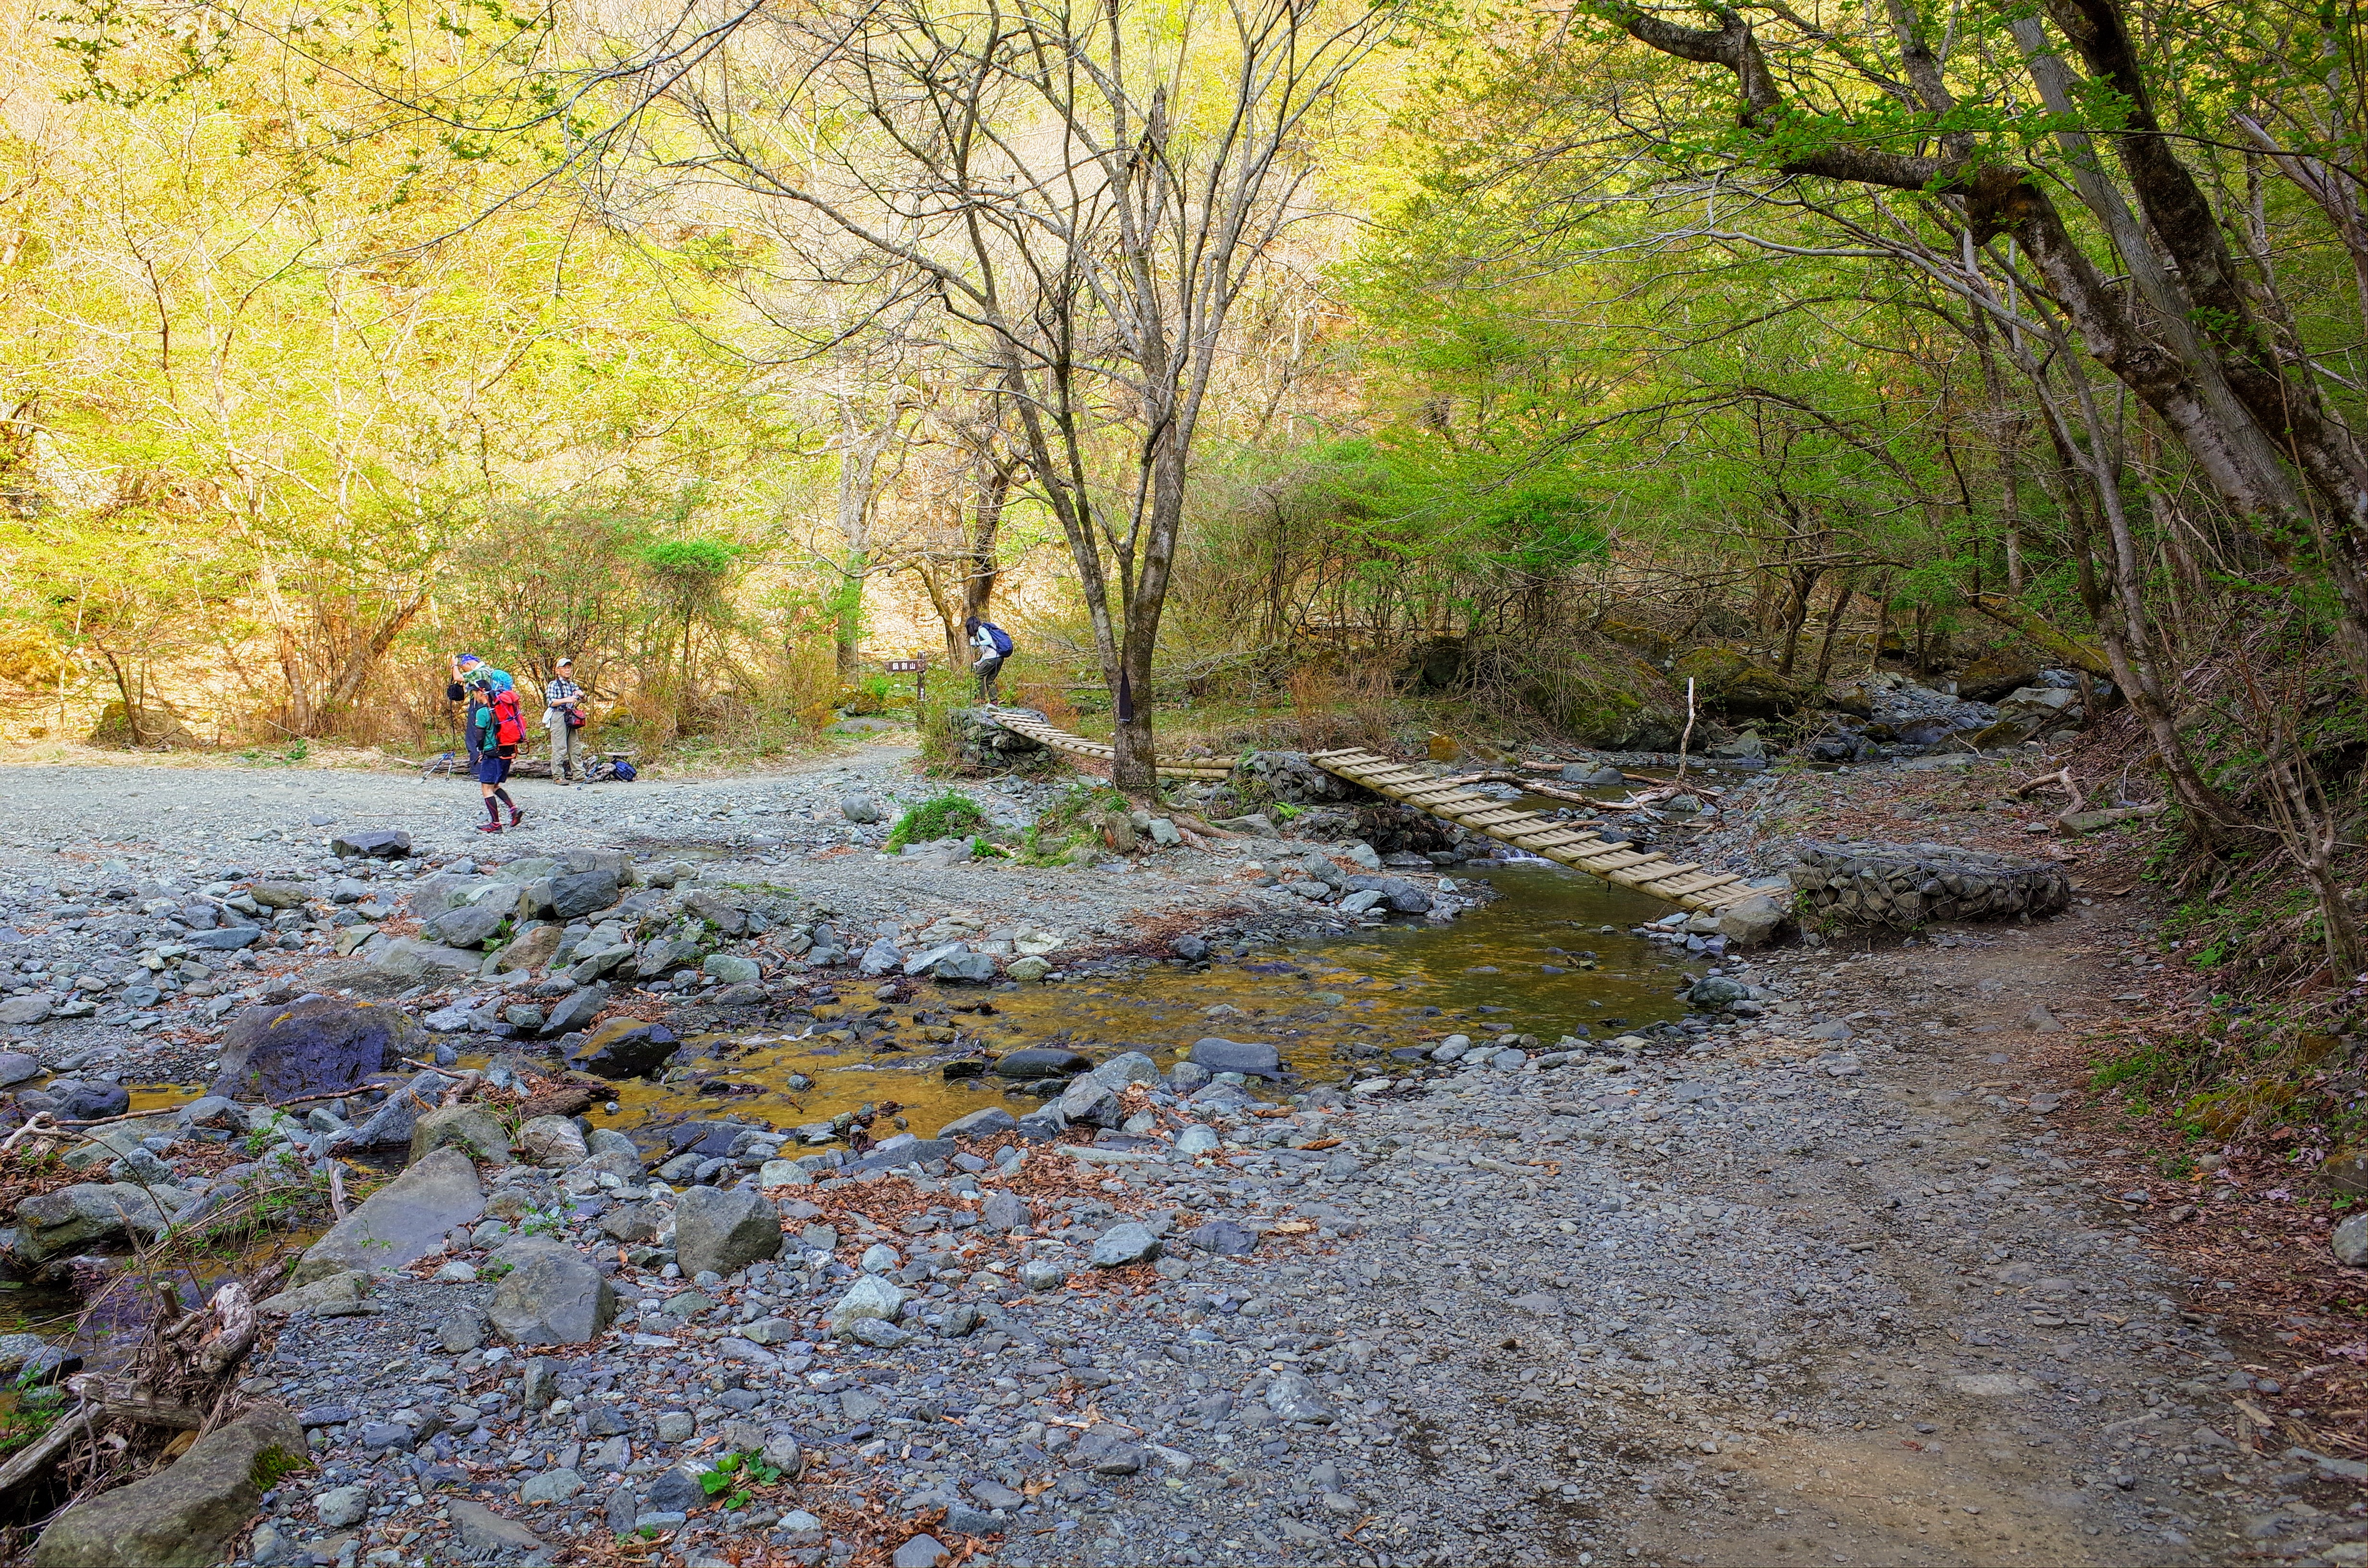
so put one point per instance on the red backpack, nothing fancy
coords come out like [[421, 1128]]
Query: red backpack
[[509, 729]]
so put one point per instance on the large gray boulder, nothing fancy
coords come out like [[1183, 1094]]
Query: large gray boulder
[[71, 1218], [553, 1141], [397, 1116], [415, 962], [664, 955], [552, 1295], [487, 1537], [402, 1221], [725, 912], [1220, 1055], [380, 844], [980, 1123], [283, 1052], [625, 1047], [470, 926], [577, 893], [1089, 1104], [87, 1100], [724, 1229], [576, 1010], [183, 1516], [472, 1129], [1756, 921]]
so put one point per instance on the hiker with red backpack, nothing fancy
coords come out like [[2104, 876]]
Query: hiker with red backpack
[[499, 730]]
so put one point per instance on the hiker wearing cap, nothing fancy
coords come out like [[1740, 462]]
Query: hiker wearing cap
[[562, 715], [499, 730], [465, 665]]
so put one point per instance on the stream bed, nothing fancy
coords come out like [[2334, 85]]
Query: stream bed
[[1552, 955]]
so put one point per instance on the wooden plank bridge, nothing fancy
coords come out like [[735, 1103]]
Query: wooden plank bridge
[[1683, 883], [1024, 721]]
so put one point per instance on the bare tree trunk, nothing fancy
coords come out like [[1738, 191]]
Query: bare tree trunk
[[978, 584], [860, 447], [1842, 591]]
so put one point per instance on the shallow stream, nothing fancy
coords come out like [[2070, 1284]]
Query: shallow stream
[[1551, 956]]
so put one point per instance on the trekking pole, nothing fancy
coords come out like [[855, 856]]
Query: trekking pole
[[1686, 740]]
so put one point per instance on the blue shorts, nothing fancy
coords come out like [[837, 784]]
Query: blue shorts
[[493, 767]]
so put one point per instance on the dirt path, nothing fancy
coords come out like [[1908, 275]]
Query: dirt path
[[1831, 1285], [1743, 1308], [2040, 1395]]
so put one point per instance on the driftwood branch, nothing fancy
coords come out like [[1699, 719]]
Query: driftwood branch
[[134, 1405], [36, 1460], [2092, 821], [229, 1332], [2062, 779]]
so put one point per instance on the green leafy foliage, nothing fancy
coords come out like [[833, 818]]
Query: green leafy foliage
[[950, 815], [731, 1476]]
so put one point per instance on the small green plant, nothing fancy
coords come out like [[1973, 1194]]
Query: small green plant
[[296, 751], [37, 1407], [950, 815], [731, 1476], [2146, 1063]]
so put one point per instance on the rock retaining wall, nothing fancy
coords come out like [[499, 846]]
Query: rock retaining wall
[[982, 744], [1907, 884], [1288, 777]]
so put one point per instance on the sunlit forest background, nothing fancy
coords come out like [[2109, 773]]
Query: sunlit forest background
[[1302, 372]]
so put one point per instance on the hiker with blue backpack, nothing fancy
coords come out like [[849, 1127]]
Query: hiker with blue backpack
[[993, 645], [497, 729]]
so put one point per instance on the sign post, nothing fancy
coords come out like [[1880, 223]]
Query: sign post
[[919, 670]]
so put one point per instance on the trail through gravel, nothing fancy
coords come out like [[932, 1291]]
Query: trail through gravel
[[1823, 1285]]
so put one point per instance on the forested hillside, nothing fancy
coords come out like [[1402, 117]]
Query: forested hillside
[[1350, 371]]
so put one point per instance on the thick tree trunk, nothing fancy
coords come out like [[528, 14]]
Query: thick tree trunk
[[978, 583]]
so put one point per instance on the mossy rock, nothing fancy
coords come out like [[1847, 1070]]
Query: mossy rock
[[1996, 673], [1610, 697], [1631, 632], [2225, 1113], [1734, 685]]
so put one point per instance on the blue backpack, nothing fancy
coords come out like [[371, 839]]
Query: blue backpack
[[997, 635], [624, 771]]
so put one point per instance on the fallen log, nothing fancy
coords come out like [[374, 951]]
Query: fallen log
[[136, 1405], [46, 1448]]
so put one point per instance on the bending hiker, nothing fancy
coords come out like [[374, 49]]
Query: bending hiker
[[464, 666], [562, 715], [993, 645], [500, 729]]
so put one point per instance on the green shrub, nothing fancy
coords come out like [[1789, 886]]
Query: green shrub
[[950, 815]]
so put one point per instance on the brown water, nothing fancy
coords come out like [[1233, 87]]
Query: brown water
[[1493, 971]]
